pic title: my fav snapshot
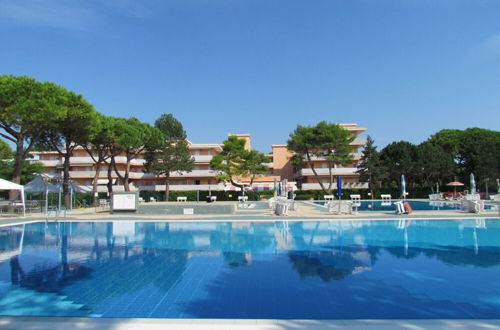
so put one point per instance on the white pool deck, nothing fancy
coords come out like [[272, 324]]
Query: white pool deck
[[57, 323], [306, 212]]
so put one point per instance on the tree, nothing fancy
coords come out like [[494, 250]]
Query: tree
[[131, 138], [474, 150], [97, 148], [325, 140], [369, 168], [235, 163], [170, 153], [399, 158], [74, 128], [5, 151], [27, 108], [28, 172], [434, 165]]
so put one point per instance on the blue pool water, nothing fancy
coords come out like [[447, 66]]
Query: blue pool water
[[287, 270], [416, 205]]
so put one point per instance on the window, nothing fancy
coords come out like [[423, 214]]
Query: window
[[197, 182]]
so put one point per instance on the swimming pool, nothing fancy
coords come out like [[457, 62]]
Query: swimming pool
[[416, 205], [270, 270]]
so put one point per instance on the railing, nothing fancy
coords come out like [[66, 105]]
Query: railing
[[118, 159], [359, 141], [50, 162], [325, 171], [355, 156], [202, 158], [136, 175]]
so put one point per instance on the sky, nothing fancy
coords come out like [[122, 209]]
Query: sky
[[404, 69]]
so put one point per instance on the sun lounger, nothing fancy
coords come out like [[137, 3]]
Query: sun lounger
[[328, 197], [386, 199], [356, 202]]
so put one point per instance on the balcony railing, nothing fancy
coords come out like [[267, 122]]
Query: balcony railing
[[118, 159], [355, 156], [325, 171]]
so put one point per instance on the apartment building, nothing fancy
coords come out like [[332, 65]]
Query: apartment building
[[350, 179], [82, 169]]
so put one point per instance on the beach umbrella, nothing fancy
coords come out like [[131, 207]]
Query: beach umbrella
[[339, 186], [455, 184], [403, 186], [472, 182], [279, 189]]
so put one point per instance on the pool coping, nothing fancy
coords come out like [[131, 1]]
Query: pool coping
[[55, 323]]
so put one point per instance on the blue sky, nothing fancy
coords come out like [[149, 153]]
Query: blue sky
[[402, 68]]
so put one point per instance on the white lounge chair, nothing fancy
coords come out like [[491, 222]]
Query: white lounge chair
[[152, 200], [328, 197], [356, 202], [386, 199], [182, 199]]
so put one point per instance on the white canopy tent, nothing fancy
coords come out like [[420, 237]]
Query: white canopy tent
[[7, 185]]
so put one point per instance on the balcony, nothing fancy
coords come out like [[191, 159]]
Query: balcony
[[183, 187], [50, 163], [194, 173], [316, 186], [324, 171], [359, 141], [355, 156], [202, 158]]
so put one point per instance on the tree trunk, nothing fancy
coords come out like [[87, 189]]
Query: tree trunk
[[94, 184], [18, 167], [167, 187], [126, 176], [329, 192], [110, 177], [66, 188]]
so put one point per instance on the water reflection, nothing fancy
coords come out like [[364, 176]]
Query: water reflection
[[102, 264]]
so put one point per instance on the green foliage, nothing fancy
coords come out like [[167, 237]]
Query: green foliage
[[399, 158], [131, 137], [434, 165], [191, 195], [234, 162], [328, 141], [27, 109], [74, 127], [370, 167], [5, 150], [170, 127], [29, 171], [474, 150], [169, 152]]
